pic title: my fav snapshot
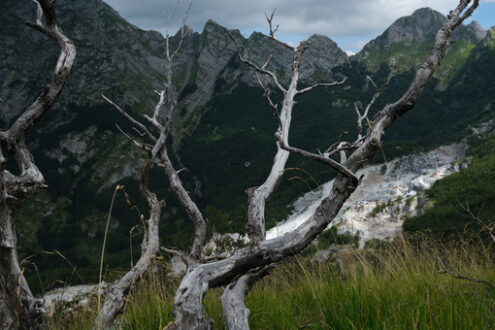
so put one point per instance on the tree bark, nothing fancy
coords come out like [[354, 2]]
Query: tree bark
[[235, 312]]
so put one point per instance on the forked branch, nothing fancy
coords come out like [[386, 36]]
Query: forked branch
[[273, 30], [133, 121], [319, 158]]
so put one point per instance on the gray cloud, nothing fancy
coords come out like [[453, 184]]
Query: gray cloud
[[337, 19], [329, 17]]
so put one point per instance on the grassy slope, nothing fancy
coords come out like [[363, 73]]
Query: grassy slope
[[398, 287]]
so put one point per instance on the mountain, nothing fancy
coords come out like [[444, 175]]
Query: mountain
[[407, 41], [224, 128], [111, 54], [421, 25]]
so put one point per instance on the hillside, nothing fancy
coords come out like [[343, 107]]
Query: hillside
[[223, 134]]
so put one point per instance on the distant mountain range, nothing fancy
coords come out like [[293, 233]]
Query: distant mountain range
[[223, 133]]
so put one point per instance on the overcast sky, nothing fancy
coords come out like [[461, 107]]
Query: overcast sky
[[350, 23]]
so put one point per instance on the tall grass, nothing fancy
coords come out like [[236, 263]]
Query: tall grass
[[397, 287]]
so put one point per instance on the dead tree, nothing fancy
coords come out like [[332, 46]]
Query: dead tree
[[19, 309], [152, 138], [189, 313], [245, 266]]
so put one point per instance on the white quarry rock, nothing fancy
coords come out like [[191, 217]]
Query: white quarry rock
[[387, 194]]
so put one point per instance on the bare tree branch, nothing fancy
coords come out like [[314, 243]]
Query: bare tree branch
[[182, 31], [114, 302], [460, 277], [270, 20], [114, 297], [235, 312], [310, 88], [272, 32], [140, 145], [257, 196], [325, 160], [159, 106], [489, 228], [364, 116], [269, 99], [184, 257], [132, 120], [446, 270], [187, 203]]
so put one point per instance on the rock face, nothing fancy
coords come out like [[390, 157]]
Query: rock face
[[387, 195], [489, 40], [111, 54]]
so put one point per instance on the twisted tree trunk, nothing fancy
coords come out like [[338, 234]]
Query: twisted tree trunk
[[18, 307]]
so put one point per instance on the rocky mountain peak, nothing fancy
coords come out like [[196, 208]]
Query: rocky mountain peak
[[416, 31], [212, 26], [491, 33], [188, 31], [428, 15], [321, 39], [422, 23], [322, 55]]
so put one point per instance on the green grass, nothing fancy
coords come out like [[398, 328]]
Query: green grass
[[397, 287]]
